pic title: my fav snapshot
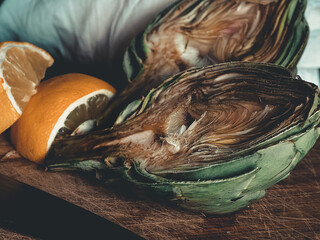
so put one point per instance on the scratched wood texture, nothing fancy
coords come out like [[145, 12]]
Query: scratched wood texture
[[290, 209]]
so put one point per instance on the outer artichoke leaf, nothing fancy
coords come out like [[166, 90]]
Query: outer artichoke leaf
[[212, 196], [292, 53], [129, 111]]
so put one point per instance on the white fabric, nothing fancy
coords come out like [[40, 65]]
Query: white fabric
[[309, 64], [93, 31], [82, 30]]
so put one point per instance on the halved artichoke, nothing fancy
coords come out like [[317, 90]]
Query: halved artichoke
[[198, 33], [210, 139]]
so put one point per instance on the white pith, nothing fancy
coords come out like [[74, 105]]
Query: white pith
[[70, 108]]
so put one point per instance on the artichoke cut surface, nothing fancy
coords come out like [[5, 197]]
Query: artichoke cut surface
[[198, 33], [211, 139]]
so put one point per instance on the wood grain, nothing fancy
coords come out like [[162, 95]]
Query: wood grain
[[290, 209]]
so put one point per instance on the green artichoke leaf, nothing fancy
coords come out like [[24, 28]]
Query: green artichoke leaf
[[198, 33], [211, 138]]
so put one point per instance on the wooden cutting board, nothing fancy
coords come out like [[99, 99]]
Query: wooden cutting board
[[290, 209]]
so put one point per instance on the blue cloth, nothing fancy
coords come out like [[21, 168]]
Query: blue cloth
[[309, 65], [79, 30]]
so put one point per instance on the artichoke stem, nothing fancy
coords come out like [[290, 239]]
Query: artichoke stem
[[93, 148]]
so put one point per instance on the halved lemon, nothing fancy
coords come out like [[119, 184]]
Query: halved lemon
[[67, 104], [22, 66]]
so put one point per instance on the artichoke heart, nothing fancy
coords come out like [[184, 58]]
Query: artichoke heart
[[198, 33], [209, 139]]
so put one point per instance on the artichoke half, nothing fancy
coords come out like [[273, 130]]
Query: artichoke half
[[198, 33], [209, 139]]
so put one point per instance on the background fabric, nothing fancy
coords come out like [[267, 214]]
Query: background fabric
[[82, 35], [309, 64], [82, 30]]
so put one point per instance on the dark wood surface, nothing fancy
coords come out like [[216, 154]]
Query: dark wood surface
[[290, 209]]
